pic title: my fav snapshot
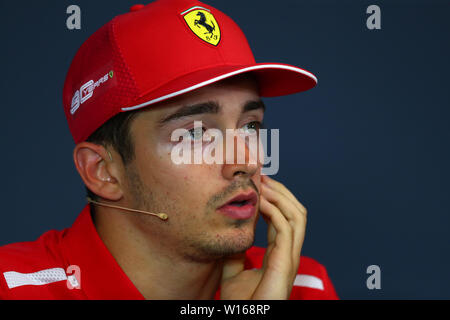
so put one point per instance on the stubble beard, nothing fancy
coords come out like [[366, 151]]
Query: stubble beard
[[199, 246]]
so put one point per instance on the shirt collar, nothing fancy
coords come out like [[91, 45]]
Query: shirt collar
[[101, 275]]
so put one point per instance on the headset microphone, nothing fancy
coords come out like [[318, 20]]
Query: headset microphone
[[162, 216]]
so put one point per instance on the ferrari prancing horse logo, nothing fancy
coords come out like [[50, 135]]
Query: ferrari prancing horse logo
[[204, 25]]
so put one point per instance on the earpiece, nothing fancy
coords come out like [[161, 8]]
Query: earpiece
[[162, 216]]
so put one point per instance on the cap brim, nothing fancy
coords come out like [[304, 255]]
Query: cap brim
[[274, 79]]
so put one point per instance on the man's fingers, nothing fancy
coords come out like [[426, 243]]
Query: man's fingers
[[286, 206], [282, 189], [295, 217], [280, 241], [277, 221]]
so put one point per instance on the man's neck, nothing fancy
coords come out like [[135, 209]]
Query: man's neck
[[156, 272]]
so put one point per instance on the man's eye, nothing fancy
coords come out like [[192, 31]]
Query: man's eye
[[196, 133], [252, 127]]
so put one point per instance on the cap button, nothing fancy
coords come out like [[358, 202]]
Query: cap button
[[137, 7]]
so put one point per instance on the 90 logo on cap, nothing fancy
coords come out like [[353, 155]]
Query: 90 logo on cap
[[86, 91]]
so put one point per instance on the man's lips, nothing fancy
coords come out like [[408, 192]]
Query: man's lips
[[243, 206]]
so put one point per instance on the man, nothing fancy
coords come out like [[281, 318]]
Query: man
[[154, 228]]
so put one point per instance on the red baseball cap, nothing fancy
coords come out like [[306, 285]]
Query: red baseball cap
[[159, 51]]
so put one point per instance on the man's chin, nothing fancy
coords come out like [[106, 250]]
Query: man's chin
[[239, 238], [238, 245], [224, 245]]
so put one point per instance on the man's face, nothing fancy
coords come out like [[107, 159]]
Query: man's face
[[191, 194]]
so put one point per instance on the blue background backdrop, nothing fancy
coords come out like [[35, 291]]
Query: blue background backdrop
[[366, 151]]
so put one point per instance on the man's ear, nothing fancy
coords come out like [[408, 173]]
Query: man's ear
[[98, 171]]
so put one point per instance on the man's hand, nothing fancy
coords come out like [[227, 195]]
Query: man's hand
[[286, 219]]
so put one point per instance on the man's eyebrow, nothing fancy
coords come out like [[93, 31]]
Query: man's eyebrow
[[190, 110], [254, 105], [208, 107]]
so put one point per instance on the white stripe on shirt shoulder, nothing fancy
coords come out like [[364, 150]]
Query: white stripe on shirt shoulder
[[306, 280], [16, 279]]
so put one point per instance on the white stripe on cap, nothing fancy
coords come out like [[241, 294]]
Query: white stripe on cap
[[193, 8], [227, 75], [16, 279], [305, 280]]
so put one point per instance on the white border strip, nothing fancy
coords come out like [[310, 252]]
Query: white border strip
[[304, 280], [227, 75], [193, 8], [16, 279]]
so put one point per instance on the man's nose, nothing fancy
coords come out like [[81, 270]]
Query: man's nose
[[240, 158]]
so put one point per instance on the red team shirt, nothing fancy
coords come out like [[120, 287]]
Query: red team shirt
[[75, 264]]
